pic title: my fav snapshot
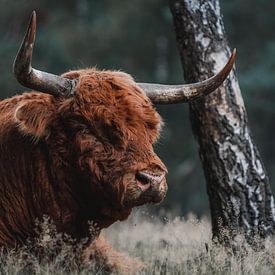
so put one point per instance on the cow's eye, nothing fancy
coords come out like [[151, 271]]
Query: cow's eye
[[85, 131]]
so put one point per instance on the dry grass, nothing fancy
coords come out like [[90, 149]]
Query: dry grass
[[175, 246], [183, 246]]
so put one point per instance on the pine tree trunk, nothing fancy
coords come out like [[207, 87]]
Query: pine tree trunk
[[237, 184]]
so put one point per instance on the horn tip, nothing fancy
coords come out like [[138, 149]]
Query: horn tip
[[25, 50], [33, 18], [32, 28], [231, 61], [234, 54]]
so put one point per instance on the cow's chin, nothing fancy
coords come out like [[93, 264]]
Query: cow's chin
[[136, 196]]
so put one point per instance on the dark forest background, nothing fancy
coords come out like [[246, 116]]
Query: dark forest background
[[138, 37]]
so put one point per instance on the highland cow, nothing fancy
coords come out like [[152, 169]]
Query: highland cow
[[79, 148]]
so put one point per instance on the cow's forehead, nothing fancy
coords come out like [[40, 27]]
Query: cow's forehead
[[94, 84], [114, 97], [107, 87]]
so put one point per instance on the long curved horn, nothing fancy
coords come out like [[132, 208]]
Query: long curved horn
[[35, 79], [169, 94]]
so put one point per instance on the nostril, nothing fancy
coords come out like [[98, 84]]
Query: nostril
[[143, 178], [143, 181], [150, 178]]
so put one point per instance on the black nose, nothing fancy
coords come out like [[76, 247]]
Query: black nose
[[150, 177]]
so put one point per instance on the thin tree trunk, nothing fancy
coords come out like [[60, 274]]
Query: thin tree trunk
[[237, 184]]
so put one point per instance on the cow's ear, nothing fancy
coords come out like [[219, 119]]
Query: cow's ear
[[34, 116]]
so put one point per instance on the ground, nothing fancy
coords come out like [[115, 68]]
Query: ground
[[166, 246]]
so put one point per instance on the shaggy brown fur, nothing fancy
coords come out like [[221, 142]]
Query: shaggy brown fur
[[76, 159]]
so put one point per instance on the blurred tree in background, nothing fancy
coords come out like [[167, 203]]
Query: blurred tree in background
[[138, 37]]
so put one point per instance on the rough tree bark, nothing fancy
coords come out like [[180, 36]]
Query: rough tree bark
[[237, 184]]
